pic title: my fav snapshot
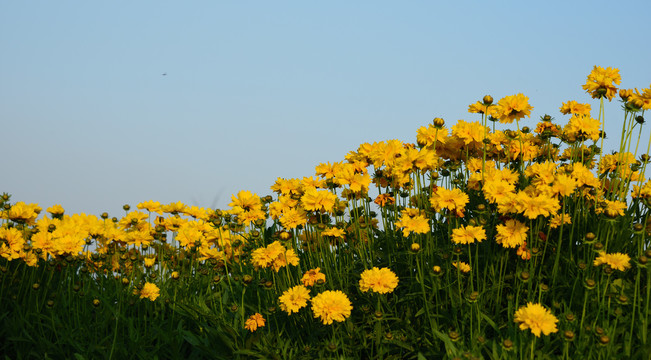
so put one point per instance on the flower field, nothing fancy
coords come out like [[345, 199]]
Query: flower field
[[491, 238]]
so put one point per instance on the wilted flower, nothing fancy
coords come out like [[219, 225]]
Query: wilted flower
[[312, 276], [254, 322]]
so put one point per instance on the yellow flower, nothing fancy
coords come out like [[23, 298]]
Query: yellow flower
[[134, 220], [513, 107], [536, 318], [564, 185], [381, 281], [600, 82], [541, 173], [12, 242], [462, 266], [55, 210], [312, 276], [413, 220], [289, 257], [189, 234], [385, 199], [312, 182], [430, 135], [23, 213], [478, 108], [264, 257], [294, 299], [327, 170], [357, 179], [470, 133], [453, 200], [293, 217], [331, 306], [149, 291], [150, 261], [274, 255], [69, 244], [249, 216], [468, 234], [584, 176], [151, 206], [534, 206], [334, 232], [559, 219], [617, 261], [574, 108], [197, 212], [497, 190], [582, 127], [173, 208], [318, 200], [643, 100], [254, 322], [385, 152], [245, 201], [512, 234]]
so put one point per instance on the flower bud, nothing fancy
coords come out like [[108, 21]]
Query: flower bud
[[487, 100], [590, 238], [438, 271], [473, 297], [589, 284], [604, 339], [454, 335], [507, 344], [568, 335]]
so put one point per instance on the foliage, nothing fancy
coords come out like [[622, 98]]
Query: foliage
[[474, 242]]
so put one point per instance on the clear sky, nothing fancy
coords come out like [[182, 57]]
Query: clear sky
[[256, 90]]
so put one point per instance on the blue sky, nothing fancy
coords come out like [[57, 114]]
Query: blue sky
[[257, 90]]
